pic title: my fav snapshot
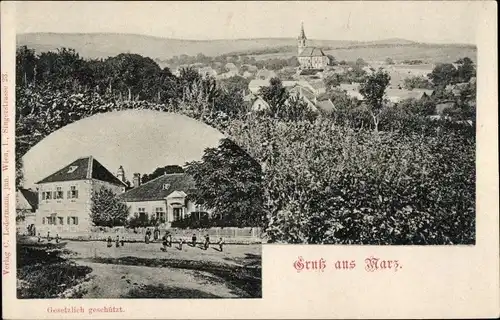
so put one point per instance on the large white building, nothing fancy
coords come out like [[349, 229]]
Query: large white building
[[166, 198]]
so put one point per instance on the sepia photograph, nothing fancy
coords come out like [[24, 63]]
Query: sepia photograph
[[159, 146]]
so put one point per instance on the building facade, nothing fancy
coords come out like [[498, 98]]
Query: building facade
[[310, 57], [65, 197], [165, 198]]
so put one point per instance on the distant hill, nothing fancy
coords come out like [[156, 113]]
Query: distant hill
[[102, 45]]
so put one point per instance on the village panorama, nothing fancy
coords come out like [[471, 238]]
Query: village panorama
[[359, 143]]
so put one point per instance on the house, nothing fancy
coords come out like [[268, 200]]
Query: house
[[255, 85], [27, 206], [231, 67], [65, 197], [310, 57], [166, 198], [259, 104], [264, 74], [352, 90], [207, 71], [305, 94], [398, 95], [441, 107]]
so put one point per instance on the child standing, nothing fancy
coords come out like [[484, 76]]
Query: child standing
[[221, 242], [193, 240]]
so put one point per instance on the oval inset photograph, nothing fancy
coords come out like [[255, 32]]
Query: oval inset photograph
[[147, 203]]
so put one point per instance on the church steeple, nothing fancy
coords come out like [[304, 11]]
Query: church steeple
[[302, 35], [301, 40]]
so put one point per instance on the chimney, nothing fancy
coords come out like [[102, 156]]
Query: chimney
[[137, 180], [121, 174]]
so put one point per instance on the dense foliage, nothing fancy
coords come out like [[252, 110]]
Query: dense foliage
[[229, 182], [107, 210], [326, 179]]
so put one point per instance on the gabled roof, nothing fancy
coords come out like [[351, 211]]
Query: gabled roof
[[325, 106], [154, 190], [30, 196], [396, 95], [83, 169], [312, 52]]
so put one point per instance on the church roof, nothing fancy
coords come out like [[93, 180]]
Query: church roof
[[83, 169], [160, 187], [312, 52]]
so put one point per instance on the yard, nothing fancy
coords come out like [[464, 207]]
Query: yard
[[89, 269]]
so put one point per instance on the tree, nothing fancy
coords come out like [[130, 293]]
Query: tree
[[296, 109], [26, 62], [275, 95], [465, 70], [443, 74], [418, 82], [373, 91], [107, 210], [389, 61], [361, 63], [331, 81], [228, 181]]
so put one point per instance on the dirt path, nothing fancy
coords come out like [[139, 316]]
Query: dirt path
[[137, 270], [123, 281]]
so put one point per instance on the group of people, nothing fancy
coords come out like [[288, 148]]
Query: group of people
[[118, 242], [49, 238], [167, 240]]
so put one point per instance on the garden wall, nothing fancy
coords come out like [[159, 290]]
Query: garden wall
[[229, 234]]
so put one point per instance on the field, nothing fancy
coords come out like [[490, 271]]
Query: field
[[102, 45], [139, 270]]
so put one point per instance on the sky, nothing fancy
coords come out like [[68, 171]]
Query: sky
[[423, 21], [140, 141]]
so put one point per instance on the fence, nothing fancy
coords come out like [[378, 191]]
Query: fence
[[230, 235]]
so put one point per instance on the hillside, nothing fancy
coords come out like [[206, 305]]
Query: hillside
[[101, 45]]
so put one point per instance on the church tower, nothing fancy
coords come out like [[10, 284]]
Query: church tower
[[301, 40]]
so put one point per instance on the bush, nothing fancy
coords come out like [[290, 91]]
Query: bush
[[332, 184], [44, 273]]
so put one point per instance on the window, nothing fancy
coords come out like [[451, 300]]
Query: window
[[142, 213], [74, 220], [166, 186], [177, 214], [51, 220], [58, 194], [61, 220], [46, 195], [73, 193], [43, 220], [160, 214], [72, 169], [68, 221]]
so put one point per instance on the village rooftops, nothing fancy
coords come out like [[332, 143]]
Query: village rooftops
[[85, 168], [160, 187]]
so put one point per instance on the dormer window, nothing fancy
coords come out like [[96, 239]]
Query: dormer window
[[72, 169], [166, 186]]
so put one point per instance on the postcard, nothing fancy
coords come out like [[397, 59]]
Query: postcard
[[236, 160]]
